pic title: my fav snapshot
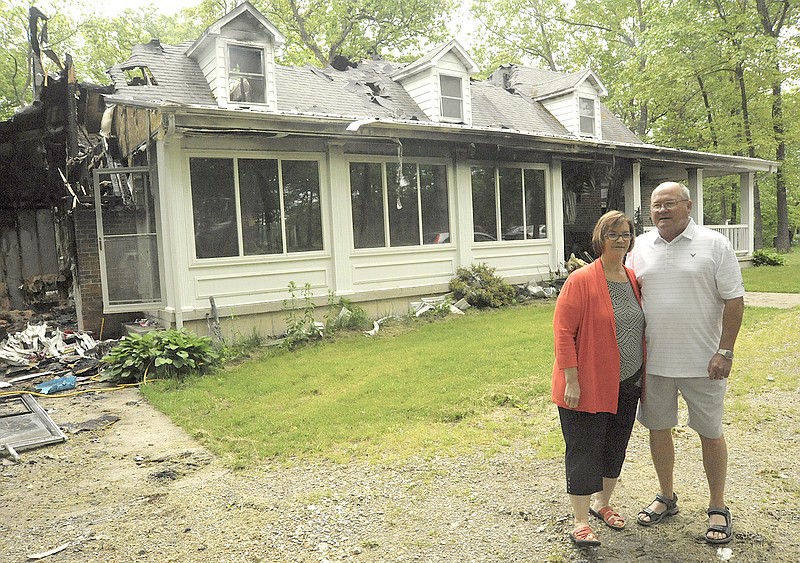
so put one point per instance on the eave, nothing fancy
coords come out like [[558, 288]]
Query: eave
[[220, 121]]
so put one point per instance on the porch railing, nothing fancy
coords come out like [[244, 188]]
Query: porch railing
[[739, 235]]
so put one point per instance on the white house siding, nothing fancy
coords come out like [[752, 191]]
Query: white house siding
[[208, 60], [250, 290], [586, 90], [425, 93], [451, 65], [565, 109]]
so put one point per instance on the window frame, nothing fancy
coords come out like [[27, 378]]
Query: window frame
[[583, 116], [443, 98], [387, 200], [230, 73], [285, 254], [496, 167]]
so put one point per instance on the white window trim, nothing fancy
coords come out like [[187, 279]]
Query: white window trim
[[319, 158], [549, 220], [383, 161], [442, 97], [228, 71], [593, 116]]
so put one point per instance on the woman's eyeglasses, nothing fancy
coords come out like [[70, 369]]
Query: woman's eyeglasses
[[617, 236]]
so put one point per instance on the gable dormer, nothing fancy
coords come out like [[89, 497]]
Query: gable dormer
[[237, 56], [439, 83], [573, 99]]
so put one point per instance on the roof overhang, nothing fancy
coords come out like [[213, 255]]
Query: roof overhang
[[220, 121]]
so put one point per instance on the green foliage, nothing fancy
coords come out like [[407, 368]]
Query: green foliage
[[481, 287], [316, 33], [345, 315], [301, 327], [174, 353], [767, 258]]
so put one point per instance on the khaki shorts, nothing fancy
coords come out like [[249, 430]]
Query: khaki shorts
[[704, 399]]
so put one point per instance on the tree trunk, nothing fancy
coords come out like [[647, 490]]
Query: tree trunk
[[782, 238]]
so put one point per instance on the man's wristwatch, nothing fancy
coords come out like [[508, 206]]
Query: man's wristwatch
[[727, 353]]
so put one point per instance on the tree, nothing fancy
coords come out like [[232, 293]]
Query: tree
[[515, 31], [774, 15], [317, 31]]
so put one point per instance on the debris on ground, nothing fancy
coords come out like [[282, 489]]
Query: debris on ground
[[48, 359]]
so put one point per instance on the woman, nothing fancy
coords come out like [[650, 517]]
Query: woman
[[597, 376]]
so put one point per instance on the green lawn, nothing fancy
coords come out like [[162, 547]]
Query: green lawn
[[775, 279], [480, 381]]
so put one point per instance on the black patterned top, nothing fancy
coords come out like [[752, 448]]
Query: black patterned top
[[629, 319]]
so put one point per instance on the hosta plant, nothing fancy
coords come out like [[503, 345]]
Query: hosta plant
[[173, 353]]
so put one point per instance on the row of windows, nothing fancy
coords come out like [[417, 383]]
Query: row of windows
[[261, 206]]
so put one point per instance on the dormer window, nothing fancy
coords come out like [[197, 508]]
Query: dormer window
[[586, 106], [139, 76], [451, 97], [246, 80]]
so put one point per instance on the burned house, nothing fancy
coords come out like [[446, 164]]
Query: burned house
[[225, 176]]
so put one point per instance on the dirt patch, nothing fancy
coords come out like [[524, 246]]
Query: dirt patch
[[128, 485]]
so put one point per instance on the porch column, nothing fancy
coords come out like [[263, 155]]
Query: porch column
[[460, 189], [340, 220], [747, 209], [695, 185], [633, 190], [556, 215]]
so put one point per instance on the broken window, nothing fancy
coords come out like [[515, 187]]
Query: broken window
[[127, 231], [139, 76], [587, 115], [451, 97], [410, 203], [246, 81], [279, 206], [509, 203]]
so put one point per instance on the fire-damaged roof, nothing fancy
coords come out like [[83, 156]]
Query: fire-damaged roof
[[365, 89]]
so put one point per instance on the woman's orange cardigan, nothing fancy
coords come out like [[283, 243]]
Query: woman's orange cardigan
[[585, 336]]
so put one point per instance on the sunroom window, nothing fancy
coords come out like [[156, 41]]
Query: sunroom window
[[587, 115], [508, 203], [246, 81], [278, 209], [398, 207], [451, 97]]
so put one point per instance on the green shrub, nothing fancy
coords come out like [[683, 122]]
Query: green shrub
[[345, 315], [481, 287], [173, 353], [767, 258]]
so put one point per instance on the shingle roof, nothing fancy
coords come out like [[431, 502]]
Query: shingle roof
[[179, 78], [366, 91]]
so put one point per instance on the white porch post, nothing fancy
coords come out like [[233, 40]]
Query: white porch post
[[460, 186], [340, 221], [557, 214], [695, 186], [633, 190], [174, 185], [747, 208]]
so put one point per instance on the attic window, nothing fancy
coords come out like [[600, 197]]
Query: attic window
[[586, 106], [139, 76], [451, 97], [246, 81]]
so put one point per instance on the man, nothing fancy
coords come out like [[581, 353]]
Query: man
[[693, 301]]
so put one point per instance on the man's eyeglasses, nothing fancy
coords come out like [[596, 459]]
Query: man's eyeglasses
[[667, 205], [617, 236]]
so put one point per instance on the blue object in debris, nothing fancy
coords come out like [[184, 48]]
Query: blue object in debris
[[58, 384]]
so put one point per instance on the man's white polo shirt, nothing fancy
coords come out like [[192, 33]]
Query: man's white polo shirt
[[684, 283]]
